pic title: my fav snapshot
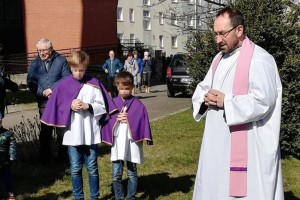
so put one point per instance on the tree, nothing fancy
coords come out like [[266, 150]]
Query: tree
[[202, 47], [182, 11], [275, 26]]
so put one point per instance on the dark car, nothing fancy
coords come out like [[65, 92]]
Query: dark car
[[178, 79]]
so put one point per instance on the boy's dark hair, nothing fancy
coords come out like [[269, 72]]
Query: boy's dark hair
[[124, 78]]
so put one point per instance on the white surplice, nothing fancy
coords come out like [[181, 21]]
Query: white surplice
[[84, 128], [124, 147], [261, 109]]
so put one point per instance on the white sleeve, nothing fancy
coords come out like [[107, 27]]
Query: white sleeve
[[98, 105], [198, 96]]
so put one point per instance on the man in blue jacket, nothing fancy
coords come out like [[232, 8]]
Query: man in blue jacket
[[45, 71], [112, 67], [140, 71]]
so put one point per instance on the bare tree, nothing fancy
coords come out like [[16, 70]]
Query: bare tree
[[187, 17]]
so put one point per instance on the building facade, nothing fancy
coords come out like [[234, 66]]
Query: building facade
[[68, 23], [162, 25]]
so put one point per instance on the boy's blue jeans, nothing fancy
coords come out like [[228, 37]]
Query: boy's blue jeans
[[117, 172], [77, 156]]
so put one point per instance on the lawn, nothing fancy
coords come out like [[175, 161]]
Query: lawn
[[167, 174]]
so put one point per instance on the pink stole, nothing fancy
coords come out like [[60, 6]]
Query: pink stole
[[238, 159]]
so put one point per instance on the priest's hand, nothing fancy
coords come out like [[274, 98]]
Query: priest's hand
[[122, 117], [214, 98]]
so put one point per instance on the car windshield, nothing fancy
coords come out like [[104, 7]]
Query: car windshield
[[178, 61]]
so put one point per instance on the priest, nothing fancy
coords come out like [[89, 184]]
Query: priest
[[240, 97]]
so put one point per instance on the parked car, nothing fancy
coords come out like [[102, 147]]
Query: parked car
[[177, 76]]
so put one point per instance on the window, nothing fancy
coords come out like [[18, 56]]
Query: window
[[146, 13], [173, 19], [190, 21], [161, 41], [132, 38], [147, 25], [131, 15], [174, 41], [147, 2], [120, 14], [120, 36], [161, 18]]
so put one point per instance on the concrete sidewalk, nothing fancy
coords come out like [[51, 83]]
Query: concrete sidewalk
[[157, 103]]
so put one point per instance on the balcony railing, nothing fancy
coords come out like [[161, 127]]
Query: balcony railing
[[19, 63]]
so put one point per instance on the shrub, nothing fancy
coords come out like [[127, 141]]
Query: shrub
[[27, 136]]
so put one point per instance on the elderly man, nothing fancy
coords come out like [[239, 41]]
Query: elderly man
[[45, 71], [112, 67], [241, 99]]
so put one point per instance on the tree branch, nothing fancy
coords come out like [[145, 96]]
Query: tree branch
[[215, 3]]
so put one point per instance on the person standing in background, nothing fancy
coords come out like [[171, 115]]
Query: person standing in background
[[45, 71], [131, 66], [140, 71], [8, 154], [112, 67], [5, 84], [147, 70]]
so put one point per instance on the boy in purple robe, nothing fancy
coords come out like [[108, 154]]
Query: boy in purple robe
[[125, 131], [78, 103]]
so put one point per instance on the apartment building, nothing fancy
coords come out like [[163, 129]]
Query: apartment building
[[149, 22], [162, 25]]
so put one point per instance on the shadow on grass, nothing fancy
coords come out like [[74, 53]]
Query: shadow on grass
[[157, 185], [103, 150], [290, 196], [29, 179], [51, 196]]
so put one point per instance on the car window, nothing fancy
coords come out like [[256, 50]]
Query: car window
[[177, 61]]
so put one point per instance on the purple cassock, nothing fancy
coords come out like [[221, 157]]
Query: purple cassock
[[58, 108], [137, 119]]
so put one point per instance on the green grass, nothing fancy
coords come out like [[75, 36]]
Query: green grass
[[167, 174]]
